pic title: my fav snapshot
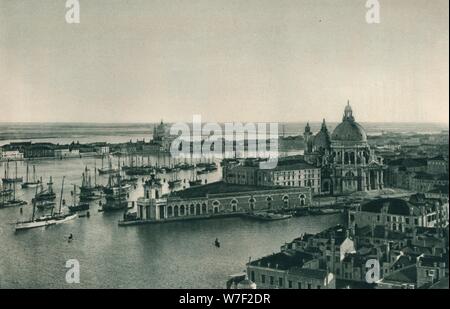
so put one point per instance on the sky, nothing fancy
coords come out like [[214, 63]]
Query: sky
[[226, 60]]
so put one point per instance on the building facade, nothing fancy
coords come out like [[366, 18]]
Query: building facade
[[11, 155], [347, 161], [400, 215], [288, 173], [289, 270], [217, 199]]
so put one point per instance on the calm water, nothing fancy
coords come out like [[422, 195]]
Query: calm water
[[65, 133], [172, 255]]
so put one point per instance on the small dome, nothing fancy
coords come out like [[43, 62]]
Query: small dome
[[322, 138], [246, 284]]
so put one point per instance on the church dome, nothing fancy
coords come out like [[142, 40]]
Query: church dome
[[322, 138], [349, 130]]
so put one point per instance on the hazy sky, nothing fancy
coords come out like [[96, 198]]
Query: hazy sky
[[246, 60]]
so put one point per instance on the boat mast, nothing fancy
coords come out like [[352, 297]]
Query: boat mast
[[34, 174], [74, 194], [95, 174], [27, 174], [61, 197], [34, 205]]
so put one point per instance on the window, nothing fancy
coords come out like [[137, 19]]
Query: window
[[253, 276], [269, 202], [318, 287], [271, 280], [263, 278], [309, 285], [280, 282], [299, 285], [290, 284]]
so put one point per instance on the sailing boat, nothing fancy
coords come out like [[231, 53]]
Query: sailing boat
[[116, 193], [33, 223], [80, 206], [45, 195], [33, 183], [53, 218], [9, 200], [107, 170], [194, 181], [87, 191], [175, 182], [60, 217], [5, 192], [7, 179]]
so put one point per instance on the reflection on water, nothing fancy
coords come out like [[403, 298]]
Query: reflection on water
[[171, 255]]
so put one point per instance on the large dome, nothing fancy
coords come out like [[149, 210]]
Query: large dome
[[349, 130]]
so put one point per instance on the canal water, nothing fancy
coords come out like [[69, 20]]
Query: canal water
[[171, 255]]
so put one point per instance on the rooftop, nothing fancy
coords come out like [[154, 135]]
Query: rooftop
[[431, 260], [218, 187], [309, 273], [395, 206], [427, 176], [404, 275], [283, 260]]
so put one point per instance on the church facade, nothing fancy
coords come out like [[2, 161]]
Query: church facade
[[347, 163]]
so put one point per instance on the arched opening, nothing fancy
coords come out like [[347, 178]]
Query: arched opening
[[216, 205], [204, 208], [182, 210], [169, 211], [192, 210], [285, 201], [175, 211], [197, 209], [233, 205], [302, 198], [252, 202]]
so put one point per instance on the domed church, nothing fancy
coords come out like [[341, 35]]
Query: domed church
[[348, 164]]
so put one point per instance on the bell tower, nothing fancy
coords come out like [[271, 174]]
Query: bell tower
[[307, 135]]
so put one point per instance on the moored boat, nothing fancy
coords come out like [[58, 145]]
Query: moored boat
[[267, 216], [30, 183]]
